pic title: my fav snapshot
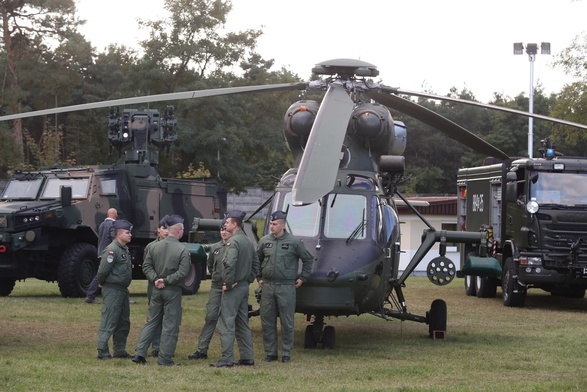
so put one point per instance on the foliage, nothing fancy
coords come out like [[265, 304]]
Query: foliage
[[192, 172]]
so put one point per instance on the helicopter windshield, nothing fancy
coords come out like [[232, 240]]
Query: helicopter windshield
[[79, 187], [22, 189], [564, 189], [344, 214], [302, 220]]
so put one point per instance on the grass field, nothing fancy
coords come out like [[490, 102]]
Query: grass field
[[49, 343]]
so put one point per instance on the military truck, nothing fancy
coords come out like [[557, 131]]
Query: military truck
[[534, 214], [49, 218]]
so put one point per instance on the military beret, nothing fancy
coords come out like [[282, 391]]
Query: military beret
[[122, 224], [235, 214], [163, 221], [278, 215], [174, 220]]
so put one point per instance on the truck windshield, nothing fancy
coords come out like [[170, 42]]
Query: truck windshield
[[22, 189], [564, 189], [79, 187]]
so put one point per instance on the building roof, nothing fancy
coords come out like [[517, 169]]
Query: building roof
[[437, 205]]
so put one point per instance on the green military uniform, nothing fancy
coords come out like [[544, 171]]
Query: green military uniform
[[115, 275], [215, 257], [150, 287], [279, 258], [240, 265], [167, 259]]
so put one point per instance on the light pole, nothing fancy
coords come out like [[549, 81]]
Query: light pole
[[531, 50]]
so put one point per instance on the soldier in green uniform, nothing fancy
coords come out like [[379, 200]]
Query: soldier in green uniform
[[162, 233], [114, 276], [238, 269], [215, 257], [167, 264], [279, 254]]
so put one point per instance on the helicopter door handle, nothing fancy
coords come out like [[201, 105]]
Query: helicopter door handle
[[388, 253]]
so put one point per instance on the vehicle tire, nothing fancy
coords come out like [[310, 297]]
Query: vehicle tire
[[437, 317], [6, 286], [571, 292], [309, 341], [193, 280], [470, 287], [77, 269], [328, 337], [509, 285], [486, 286]]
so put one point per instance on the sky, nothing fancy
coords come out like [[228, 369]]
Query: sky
[[417, 44]]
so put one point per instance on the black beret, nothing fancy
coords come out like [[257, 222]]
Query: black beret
[[278, 215], [235, 214], [122, 224], [174, 220], [163, 221]]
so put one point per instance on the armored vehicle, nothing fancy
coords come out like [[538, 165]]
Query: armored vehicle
[[49, 218]]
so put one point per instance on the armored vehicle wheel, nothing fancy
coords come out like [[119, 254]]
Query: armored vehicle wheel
[[437, 319], [6, 286], [193, 280], [470, 287], [328, 337], [77, 268], [486, 286], [514, 294], [309, 341]]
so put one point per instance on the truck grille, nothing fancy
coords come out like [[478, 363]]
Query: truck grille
[[558, 239]]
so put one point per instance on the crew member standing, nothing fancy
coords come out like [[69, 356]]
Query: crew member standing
[[238, 269], [105, 237], [167, 264], [114, 276], [279, 254], [215, 257]]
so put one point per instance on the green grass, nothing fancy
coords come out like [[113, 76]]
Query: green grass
[[49, 343]]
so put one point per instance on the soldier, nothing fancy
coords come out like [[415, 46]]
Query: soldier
[[105, 237], [162, 233], [215, 257], [114, 276], [239, 268], [279, 253], [167, 264]]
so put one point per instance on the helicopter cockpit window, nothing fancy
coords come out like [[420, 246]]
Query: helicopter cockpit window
[[79, 187], [346, 216], [22, 189], [303, 221], [360, 183], [108, 186]]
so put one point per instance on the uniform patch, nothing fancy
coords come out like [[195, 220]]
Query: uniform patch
[[284, 246], [217, 251], [269, 245], [110, 258]]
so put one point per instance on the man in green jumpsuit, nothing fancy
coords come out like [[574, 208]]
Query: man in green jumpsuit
[[167, 264], [279, 254], [114, 276], [162, 233], [238, 269], [215, 257]]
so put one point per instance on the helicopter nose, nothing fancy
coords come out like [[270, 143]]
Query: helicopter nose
[[332, 275]]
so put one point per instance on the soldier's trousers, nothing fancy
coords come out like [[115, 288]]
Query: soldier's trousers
[[115, 321], [212, 315], [157, 337], [234, 323], [278, 299]]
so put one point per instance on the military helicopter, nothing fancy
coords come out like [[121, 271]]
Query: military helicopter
[[340, 194]]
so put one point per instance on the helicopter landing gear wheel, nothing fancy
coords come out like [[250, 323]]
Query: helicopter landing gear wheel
[[328, 337], [437, 319], [309, 341]]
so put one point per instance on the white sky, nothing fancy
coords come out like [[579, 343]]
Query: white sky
[[415, 44]]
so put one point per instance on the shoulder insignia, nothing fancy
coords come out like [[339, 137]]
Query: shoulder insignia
[[110, 258], [217, 251], [111, 252]]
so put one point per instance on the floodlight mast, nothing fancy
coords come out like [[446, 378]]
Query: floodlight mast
[[531, 50]]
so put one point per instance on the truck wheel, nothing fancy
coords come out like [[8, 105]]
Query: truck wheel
[[571, 292], [486, 286], [510, 285], [193, 280], [437, 318], [6, 286], [77, 269], [470, 287]]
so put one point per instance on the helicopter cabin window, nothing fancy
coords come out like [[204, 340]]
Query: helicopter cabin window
[[302, 221], [360, 183], [79, 187], [108, 186], [22, 189], [346, 216]]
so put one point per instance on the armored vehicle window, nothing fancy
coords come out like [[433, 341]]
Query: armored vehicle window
[[108, 186], [79, 187], [346, 216], [303, 221], [22, 189]]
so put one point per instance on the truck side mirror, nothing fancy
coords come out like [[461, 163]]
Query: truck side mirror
[[511, 192], [65, 194]]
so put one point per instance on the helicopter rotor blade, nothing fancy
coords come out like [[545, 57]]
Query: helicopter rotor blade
[[394, 90], [439, 122], [159, 98], [319, 164]]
